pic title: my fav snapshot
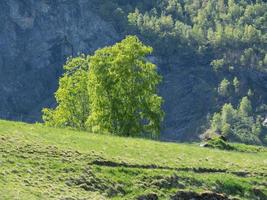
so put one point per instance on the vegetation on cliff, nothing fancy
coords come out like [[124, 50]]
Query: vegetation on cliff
[[227, 37]]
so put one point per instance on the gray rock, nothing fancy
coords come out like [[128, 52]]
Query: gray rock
[[36, 37]]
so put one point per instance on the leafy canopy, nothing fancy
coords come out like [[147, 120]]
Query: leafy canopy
[[117, 94], [123, 90]]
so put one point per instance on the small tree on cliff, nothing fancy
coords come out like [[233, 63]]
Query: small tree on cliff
[[123, 90]]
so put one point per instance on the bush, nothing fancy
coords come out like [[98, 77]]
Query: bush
[[218, 143]]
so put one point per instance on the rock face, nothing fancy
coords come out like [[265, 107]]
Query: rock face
[[36, 37], [187, 93]]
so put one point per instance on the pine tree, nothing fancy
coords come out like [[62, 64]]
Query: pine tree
[[245, 107]]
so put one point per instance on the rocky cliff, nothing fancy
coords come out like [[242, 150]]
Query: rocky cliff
[[36, 37]]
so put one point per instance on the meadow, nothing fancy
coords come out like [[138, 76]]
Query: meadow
[[37, 162]]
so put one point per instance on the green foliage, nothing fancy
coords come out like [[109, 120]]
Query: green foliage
[[238, 124], [218, 143], [117, 94], [236, 84], [217, 64], [245, 108], [226, 129], [224, 88], [216, 124], [228, 114], [123, 90], [71, 96], [231, 186]]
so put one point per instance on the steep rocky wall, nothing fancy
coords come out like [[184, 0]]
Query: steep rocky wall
[[36, 37]]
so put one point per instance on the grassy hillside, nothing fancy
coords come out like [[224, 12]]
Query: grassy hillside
[[37, 162]]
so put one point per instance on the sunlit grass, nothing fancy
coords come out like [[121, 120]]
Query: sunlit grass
[[38, 162]]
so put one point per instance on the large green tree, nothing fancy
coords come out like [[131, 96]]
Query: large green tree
[[123, 90], [114, 91]]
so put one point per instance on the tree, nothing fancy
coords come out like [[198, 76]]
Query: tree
[[226, 129], [216, 122], [123, 90], [236, 84], [224, 88], [228, 114], [71, 96], [251, 34], [174, 8], [217, 64], [245, 107]]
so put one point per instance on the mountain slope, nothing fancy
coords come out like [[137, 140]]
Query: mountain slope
[[37, 162]]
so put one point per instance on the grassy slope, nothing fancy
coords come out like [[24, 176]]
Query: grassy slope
[[37, 162]]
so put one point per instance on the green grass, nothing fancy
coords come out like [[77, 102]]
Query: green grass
[[37, 162], [218, 143]]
